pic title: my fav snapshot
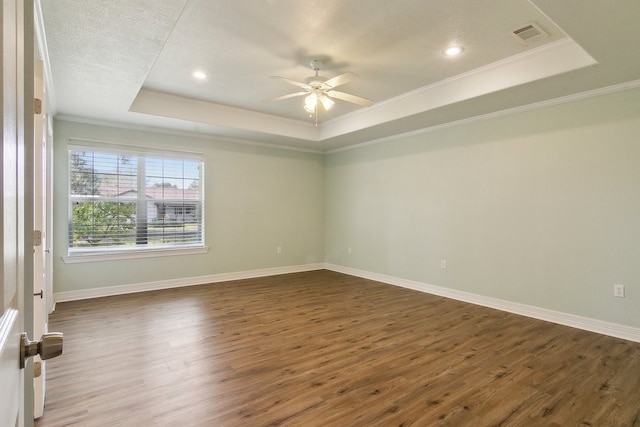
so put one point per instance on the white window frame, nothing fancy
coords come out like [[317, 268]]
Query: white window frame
[[94, 254]]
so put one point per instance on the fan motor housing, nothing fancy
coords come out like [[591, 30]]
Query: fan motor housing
[[315, 81]]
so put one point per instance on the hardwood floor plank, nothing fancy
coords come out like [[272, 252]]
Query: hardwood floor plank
[[323, 349]]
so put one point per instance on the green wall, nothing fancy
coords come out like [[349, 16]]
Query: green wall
[[256, 199], [539, 208]]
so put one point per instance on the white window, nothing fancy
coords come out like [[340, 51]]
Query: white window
[[123, 200]]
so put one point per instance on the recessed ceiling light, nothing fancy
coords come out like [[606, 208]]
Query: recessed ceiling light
[[200, 75], [453, 50]]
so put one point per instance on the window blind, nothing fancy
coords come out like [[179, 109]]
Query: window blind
[[124, 200]]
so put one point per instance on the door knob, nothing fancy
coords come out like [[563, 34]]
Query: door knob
[[49, 346]]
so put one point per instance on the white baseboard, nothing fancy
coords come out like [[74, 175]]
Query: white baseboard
[[178, 283], [593, 325]]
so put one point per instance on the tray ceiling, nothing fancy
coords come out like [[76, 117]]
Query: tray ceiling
[[131, 62]]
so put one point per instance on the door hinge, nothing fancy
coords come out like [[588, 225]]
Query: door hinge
[[37, 106], [37, 237]]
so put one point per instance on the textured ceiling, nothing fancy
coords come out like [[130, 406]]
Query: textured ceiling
[[131, 62]]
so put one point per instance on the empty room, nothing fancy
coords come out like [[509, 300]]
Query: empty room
[[321, 213]]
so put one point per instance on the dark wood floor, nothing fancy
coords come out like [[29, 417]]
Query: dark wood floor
[[326, 349]]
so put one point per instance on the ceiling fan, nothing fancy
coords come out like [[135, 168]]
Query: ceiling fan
[[319, 90]]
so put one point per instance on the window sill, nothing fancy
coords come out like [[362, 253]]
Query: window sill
[[80, 257]]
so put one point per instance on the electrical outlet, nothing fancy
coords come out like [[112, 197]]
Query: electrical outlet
[[349, 250], [618, 291], [443, 264], [279, 249]]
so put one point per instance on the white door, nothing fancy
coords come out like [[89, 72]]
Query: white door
[[16, 393]]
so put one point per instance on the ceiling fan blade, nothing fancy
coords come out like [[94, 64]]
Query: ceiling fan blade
[[293, 82], [350, 98], [291, 95], [340, 80]]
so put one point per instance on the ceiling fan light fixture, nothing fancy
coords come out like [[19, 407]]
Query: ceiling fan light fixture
[[327, 102], [319, 90], [310, 103]]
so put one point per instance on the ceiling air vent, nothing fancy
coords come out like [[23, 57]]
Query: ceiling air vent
[[529, 33]]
